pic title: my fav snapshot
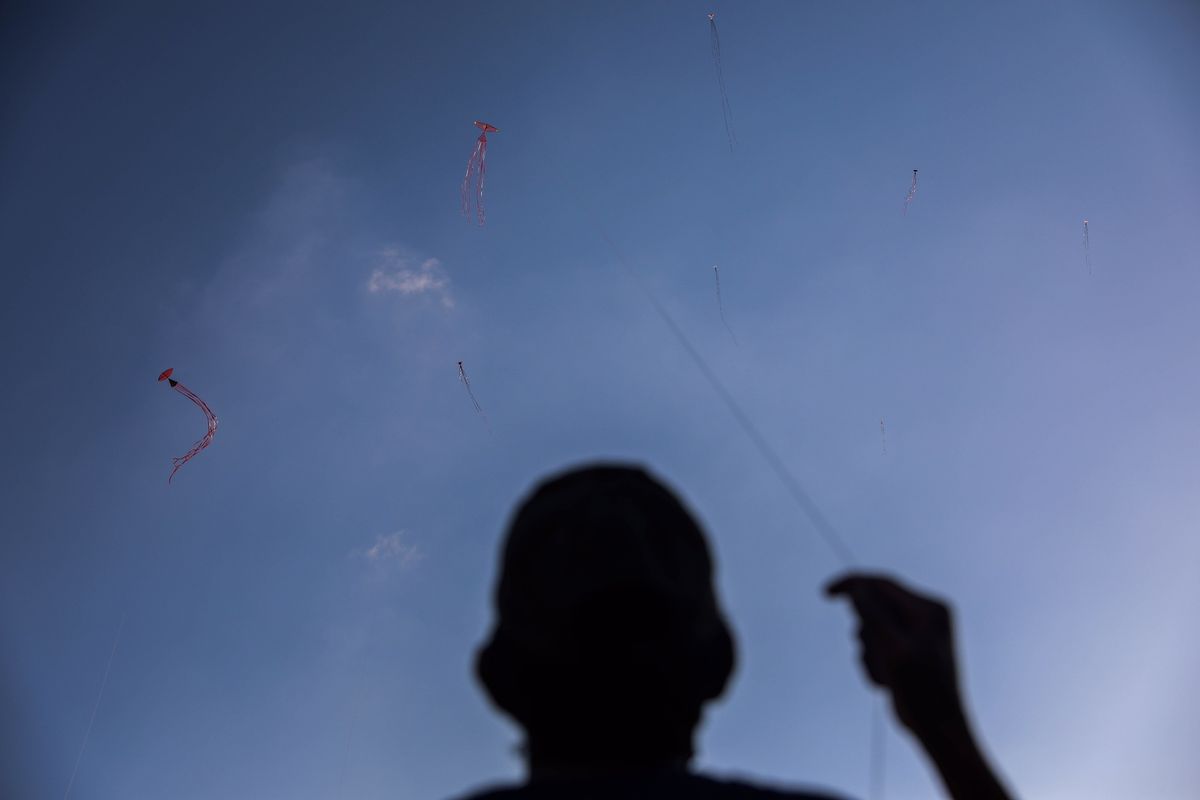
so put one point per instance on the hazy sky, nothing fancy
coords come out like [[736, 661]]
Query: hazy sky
[[266, 199]]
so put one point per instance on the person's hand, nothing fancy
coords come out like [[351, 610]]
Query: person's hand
[[907, 647]]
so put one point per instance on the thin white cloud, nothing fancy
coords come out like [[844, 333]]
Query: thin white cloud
[[397, 273], [392, 549]]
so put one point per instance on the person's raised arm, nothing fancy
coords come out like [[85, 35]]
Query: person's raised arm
[[908, 648]]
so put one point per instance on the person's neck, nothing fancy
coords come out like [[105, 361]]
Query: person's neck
[[560, 769]]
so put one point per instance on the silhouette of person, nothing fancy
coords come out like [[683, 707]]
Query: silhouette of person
[[609, 640]]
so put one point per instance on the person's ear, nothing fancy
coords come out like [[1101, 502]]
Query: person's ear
[[715, 663], [498, 667]]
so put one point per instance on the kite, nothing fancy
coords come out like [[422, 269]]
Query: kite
[[206, 440], [721, 306], [716, 54], [883, 436], [912, 192], [1087, 248], [472, 185], [462, 376]]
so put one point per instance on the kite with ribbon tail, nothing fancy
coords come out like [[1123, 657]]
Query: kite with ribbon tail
[[205, 440], [472, 185]]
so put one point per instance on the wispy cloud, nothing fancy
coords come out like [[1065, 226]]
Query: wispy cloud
[[391, 549], [397, 273]]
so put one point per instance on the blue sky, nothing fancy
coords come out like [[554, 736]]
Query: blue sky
[[213, 189]]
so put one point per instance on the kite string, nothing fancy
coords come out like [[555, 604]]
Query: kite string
[[878, 750], [810, 509], [100, 696], [354, 714], [822, 526]]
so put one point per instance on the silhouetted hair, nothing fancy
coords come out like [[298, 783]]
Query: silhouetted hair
[[609, 637]]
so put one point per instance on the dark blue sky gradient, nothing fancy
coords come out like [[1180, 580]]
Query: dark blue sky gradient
[[212, 189]]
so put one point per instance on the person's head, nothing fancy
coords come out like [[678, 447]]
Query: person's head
[[609, 637]]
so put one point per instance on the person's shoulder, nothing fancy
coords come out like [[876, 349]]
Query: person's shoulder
[[686, 786], [708, 787], [494, 793]]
